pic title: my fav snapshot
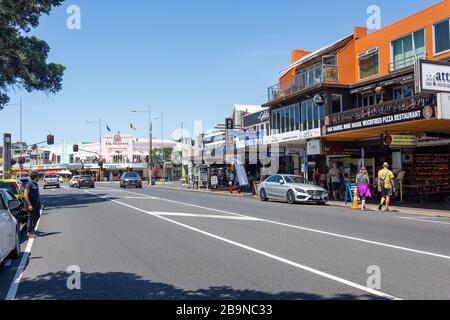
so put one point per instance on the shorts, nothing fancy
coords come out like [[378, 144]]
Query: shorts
[[387, 192], [335, 186]]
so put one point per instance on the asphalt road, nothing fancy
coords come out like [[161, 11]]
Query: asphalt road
[[165, 244]]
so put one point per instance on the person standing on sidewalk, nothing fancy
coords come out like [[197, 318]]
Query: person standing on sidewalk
[[385, 186], [363, 186], [33, 201], [335, 175]]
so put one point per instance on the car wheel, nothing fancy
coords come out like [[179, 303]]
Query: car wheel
[[263, 195], [16, 252], [290, 197]]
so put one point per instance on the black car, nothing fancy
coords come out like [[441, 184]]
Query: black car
[[130, 179], [85, 181]]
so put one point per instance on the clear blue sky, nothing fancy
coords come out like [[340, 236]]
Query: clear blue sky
[[192, 59]]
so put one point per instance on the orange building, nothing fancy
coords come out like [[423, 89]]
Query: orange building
[[350, 95]]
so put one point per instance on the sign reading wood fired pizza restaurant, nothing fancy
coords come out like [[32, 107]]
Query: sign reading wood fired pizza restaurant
[[419, 108]]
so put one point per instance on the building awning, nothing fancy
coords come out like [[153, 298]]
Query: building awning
[[364, 88], [397, 80]]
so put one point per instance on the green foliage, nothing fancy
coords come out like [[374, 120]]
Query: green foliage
[[23, 60]]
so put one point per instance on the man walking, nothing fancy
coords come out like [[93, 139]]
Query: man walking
[[385, 186], [33, 201]]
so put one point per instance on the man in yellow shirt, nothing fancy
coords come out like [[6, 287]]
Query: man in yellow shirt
[[385, 186]]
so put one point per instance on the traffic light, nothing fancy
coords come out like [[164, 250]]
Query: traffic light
[[21, 160], [13, 162], [50, 139], [75, 148]]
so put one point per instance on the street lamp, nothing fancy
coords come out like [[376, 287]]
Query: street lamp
[[150, 138], [162, 143], [99, 122]]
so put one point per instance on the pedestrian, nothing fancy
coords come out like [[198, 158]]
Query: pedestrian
[[33, 201], [335, 175], [363, 186], [317, 177], [385, 186], [231, 181]]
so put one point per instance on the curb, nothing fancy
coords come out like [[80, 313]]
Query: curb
[[428, 213]]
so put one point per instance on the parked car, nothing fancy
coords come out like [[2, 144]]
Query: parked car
[[51, 180], [9, 226], [74, 181], [85, 181], [130, 179], [16, 191], [293, 189]]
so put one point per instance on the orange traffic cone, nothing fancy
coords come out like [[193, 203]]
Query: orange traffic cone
[[355, 200]]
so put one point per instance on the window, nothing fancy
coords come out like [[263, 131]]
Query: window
[[403, 92], [297, 117], [407, 50], [288, 119], [336, 103], [368, 63], [442, 37], [368, 100]]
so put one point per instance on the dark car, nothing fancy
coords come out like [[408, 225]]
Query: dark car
[[85, 181], [130, 179]]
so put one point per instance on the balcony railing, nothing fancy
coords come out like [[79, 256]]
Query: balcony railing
[[406, 62], [382, 109], [307, 78]]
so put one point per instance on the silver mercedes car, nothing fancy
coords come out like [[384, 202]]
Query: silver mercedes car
[[293, 189]]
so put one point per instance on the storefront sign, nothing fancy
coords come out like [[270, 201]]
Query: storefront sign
[[319, 100], [421, 113], [116, 166], [302, 136], [91, 166], [427, 141], [214, 181], [314, 147], [256, 118], [433, 76], [399, 140]]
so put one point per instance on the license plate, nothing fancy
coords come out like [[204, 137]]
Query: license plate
[[317, 198]]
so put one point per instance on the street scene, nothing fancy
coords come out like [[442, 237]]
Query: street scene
[[167, 166]]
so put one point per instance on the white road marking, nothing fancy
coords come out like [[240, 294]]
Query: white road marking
[[143, 198], [387, 245], [423, 220], [21, 269], [192, 215], [8, 263], [263, 253]]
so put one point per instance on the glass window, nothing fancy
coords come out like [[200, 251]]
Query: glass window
[[368, 64], [304, 116], [407, 49], [297, 117], [282, 122], [293, 118], [321, 115], [442, 36], [288, 119], [368, 100], [336, 103], [310, 115]]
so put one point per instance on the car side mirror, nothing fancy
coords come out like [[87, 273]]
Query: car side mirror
[[281, 182], [13, 204]]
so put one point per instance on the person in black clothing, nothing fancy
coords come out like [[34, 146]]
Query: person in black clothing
[[33, 201]]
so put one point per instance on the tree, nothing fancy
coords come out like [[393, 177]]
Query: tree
[[23, 60]]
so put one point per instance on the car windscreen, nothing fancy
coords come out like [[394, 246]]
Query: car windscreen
[[85, 177], [11, 186], [131, 175], [51, 176], [295, 179]]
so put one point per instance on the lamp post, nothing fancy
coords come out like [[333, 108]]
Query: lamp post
[[150, 138], [99, 122], [161, 117]]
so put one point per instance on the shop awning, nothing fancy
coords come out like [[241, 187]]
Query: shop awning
[[364, 88], [397, 80]]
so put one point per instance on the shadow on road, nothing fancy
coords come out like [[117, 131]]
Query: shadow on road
[[72, 201], [126, 286]]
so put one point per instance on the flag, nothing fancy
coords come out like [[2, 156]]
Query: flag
[[132, 127], [108, 128]]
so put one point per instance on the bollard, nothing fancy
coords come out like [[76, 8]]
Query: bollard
[[355, 200]]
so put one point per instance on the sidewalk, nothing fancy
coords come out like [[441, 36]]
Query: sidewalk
[[371, 207]]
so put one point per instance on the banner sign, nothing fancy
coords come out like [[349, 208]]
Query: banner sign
[[400, 140], [389, 113], [256, 118]]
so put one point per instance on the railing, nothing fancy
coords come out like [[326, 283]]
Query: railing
[[307, 78], [381, 109], [406, 62]]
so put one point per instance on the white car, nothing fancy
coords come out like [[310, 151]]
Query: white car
[[51, 180], [9, 227], [74, 181]]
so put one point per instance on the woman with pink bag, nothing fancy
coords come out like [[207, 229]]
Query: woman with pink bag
[[363, 186]]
